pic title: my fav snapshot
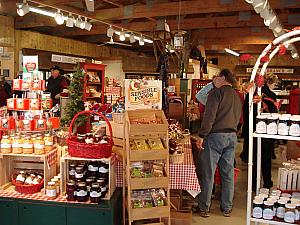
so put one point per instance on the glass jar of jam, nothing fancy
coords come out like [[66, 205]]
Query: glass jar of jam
[[79, 173], [81, 194], [29, 180], [72, 171], [27, 145], [38, 179], [289, 215], [280, 208], [21, 178], [71, 191], [295, 126], [257, 208], [81, 139], [17, 145], [93, 168], [89, 138], [95, 193], [261, 125], [89, 182], [97, 139], [272, 124], [6, 145], [103, 186], [103, 170], [39, 146], [268, 211], [51, 191], [283, 125]]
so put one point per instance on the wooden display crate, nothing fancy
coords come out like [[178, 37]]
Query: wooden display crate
[[141, 155], [143, 129], [147, 213], [64, 165], [148, 183], [11, 163]]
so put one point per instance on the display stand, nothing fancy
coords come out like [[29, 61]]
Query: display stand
[[144, 131], [271, 50]]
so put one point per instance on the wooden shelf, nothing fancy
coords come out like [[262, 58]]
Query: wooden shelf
[[143, 155], [149, 183], [150, 213], [291, 138], [68, 157], [269, 221]]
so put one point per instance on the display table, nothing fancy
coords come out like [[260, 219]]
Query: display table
[[182, 176], [35, 209]]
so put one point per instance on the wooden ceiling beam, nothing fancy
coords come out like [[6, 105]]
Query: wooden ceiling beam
[[187, 7], [113, 3]]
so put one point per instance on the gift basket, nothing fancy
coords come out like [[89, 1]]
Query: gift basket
[[27, 183], [93, 146]]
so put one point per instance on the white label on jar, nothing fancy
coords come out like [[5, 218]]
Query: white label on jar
[[39, 146], [272, 128], [20, 178], [48, 142], [81, 193], [72, 172], [289, 217], [51, 193], [17, 145], [280, 212], [103, 170], [283, 129], [95, 194], [295, 130], [27, 145], [261, 127], [5, 145], [103, 189], [78, 175], [92, 168], [89, 140], [268, 214], [257, 212], [297, 215]]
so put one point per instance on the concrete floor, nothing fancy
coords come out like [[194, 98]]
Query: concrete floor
[[238, 216]]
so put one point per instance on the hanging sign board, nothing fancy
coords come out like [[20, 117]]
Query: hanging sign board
[[273, 70], [143, 94], [66, 59], [30, 64]]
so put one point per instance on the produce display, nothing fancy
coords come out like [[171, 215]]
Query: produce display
[[146, 144], [147, 169], [148, 198]]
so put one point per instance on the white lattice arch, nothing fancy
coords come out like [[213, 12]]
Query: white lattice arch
[[286, 40]]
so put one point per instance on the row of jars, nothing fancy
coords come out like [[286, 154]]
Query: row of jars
[[90, 138], [53, 187], [81, 171], [281, 124], [93, 189], [28, 178], [27, 144], [277, 206]]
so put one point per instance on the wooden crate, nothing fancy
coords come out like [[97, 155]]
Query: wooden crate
[[148, 183], [12, 162], [117, 129], [64, 165], [148, 213], [144, 129]]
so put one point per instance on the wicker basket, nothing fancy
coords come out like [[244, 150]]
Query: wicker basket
[[28, 189], [90, 151], [118, 117], [177, 158]]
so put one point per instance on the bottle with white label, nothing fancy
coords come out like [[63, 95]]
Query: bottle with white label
[[272, 125], [268, 212], [51, 191], [261, 125], [295, 126], [280, 208], [257, 208], [283, 125], [290, 213]]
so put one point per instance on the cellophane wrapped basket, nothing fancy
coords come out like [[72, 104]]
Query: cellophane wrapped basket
[[27, 189], [91, 151]]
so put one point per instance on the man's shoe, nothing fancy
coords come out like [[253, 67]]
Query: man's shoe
[[203, 214], [227, 213]]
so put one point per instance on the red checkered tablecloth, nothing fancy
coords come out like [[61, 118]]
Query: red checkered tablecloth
[[182, 176], [51, 158]]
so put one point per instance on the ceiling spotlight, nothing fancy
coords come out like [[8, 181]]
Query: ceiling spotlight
[[70, 21], [110, 31], [59, 19], [231, 52], [78, 22], [131, 38], [141, 41], [22, 8], [294, 54], [122, 36]]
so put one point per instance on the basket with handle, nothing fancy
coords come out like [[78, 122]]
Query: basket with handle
[[90, 151], [28, 189]]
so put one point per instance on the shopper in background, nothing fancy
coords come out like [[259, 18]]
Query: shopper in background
[[56, 84], [5, 91], [217, 141], [267, 145]]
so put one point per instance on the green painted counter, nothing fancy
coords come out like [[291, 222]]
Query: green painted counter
[[31, 212]]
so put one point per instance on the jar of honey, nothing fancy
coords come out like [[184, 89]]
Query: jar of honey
[[51, 192], [39, 146], [6, 145], [27, 145]]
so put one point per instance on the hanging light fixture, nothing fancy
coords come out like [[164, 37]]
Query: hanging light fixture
[[141, 41], [259, 5], [78, 22], [59, 18], [178, 37], [70, 21], [131, 38], [22, 8], [110, 31], [88, 26], [122, 35]]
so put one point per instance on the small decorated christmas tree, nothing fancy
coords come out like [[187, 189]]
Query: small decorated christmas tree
[[75, 104]]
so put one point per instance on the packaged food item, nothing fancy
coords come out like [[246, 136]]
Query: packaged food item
[[159, 197], [156, 144], [56, 181], [21, 177], [141, 144], [132, 145], [17, 145], [37, 180], [71, 191], [48, 139], [29, 180], [81, 194], [6, 145], [51, 192], [27, 145], [95, 193], [136, 169], [39, 146]]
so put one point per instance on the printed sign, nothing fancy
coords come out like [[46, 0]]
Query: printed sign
[[66, 59], [143, 94], [30, 64], [273, 70]]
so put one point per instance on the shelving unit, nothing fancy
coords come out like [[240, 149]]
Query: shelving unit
[[98, 70], [271, 50], [145, 131]]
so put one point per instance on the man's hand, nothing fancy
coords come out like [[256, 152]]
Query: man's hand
[[199, 144]]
